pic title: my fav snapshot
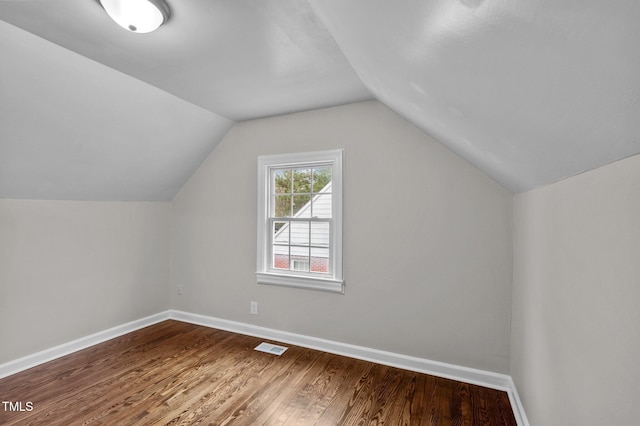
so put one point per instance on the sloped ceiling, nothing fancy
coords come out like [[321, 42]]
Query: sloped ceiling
[[529, 91]]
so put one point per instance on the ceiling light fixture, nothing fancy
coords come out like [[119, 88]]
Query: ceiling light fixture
[[138, 16]]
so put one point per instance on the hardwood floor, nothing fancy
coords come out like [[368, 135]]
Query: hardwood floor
[[181, 374]]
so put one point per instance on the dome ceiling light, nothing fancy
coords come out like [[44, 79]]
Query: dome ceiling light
[[138, 16]]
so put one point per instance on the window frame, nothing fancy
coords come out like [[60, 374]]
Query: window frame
[[333, 281]]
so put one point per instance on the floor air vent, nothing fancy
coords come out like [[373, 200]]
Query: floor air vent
[[270, 349]]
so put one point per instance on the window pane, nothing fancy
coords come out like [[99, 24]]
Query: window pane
[[302, 181], [301, 206], [300, 233], [320, 234], [281, 206], [281, 181], [281, 258], [319, 261], [322, 205], [321, 177], [281, 232]]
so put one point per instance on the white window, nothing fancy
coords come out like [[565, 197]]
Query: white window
[[300, 220]]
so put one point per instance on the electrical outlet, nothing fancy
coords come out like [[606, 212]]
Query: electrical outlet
[[180, 289], [254, 308]]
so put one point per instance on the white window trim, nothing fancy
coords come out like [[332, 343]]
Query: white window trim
[[332, 282]]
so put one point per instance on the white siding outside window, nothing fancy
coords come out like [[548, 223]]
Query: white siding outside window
[[300, 220]]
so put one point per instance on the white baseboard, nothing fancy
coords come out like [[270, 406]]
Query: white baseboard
[[516, 404], [50, 354], [488, 379], [484, 378]]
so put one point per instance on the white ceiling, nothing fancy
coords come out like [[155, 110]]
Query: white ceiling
[[529, 91]]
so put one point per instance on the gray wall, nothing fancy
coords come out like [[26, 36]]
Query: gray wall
[[69, 269], [427, 240], [576, 315]]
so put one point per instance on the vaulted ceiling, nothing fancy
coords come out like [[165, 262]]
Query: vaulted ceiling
[[529, 91]]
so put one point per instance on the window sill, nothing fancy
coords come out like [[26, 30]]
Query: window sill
[[297, 281]]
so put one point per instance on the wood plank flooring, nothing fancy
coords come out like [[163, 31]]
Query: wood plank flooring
[[176, 373]]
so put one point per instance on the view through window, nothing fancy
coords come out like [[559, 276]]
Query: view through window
[[301, 219]]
